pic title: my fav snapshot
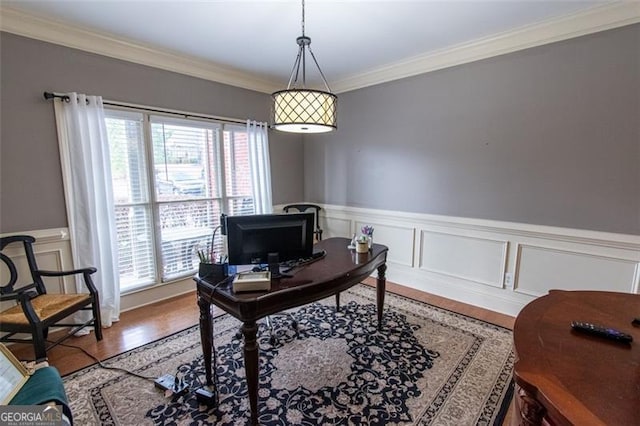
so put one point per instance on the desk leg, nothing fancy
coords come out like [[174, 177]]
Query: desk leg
[[206, 331], [249, 330], [381, 284]]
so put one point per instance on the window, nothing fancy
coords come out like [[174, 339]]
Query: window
[[172, 178]]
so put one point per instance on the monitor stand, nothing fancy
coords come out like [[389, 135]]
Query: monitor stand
[[274, 267]]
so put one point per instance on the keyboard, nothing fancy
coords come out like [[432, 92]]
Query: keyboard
[[288, 266]]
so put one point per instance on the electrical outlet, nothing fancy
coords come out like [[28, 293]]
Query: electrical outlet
[[508, 279]]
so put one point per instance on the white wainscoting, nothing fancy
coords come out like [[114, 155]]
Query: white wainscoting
[[458, 258], [479, 260], [539, 268], [53, 251], [468, 259]]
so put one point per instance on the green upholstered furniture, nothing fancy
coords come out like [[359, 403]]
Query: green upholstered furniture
[[43, 387]]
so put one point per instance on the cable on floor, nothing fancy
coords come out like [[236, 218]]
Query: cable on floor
[[107, 367]]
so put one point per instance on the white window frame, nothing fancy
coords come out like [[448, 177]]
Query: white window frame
[[153, 204]]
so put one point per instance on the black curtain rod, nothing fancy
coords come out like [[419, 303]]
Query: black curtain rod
[[52, 95]]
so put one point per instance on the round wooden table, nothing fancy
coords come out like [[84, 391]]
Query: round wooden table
[[565, 377]]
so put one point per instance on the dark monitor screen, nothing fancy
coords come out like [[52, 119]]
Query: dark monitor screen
[[251, 239]]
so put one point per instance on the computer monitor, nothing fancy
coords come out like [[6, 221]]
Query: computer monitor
[[269, 238]]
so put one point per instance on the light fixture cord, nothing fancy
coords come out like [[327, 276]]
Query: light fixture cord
[[324, 80], [302, 18], [301, 61], [304, 56]]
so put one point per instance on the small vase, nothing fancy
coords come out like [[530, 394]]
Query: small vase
[[370, 241]]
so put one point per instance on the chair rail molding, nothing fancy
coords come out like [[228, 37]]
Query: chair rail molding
[[496, 265], [52, 254], [464, 259], [53, 251]]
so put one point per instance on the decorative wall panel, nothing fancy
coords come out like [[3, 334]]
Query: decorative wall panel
[[540, 269], [480, 260]]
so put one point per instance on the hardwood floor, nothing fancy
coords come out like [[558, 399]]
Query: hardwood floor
[[461, 308], [135, 328], [149, 323]]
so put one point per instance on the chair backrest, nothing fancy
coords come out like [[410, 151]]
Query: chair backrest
[[10, 286], [316, 215]]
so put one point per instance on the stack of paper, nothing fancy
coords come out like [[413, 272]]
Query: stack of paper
[[252, 281]]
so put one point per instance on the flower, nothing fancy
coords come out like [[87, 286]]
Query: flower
[[367, 230]]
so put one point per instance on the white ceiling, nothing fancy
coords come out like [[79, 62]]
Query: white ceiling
[[356, 42]]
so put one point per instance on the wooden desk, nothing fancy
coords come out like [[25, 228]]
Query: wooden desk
[[339, 270], [568, 378]]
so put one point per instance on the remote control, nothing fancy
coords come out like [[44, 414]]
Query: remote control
[[607, 333]]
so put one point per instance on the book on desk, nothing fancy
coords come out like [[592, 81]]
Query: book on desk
[[252, 281]]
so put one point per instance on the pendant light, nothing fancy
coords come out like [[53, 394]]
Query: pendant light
[[301, 110]]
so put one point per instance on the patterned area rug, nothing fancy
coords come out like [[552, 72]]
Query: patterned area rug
[[428, 366]]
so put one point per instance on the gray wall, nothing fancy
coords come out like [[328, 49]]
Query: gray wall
[[549, 136], [31, 189]]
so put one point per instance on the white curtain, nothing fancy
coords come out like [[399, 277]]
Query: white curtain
[[260, 166], [86, 168]]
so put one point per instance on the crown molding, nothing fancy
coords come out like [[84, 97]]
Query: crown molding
[[593, 20], [590, 21], [48, 30]]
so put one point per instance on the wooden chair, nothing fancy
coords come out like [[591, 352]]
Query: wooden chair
[[35, 311], [316, 213]]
